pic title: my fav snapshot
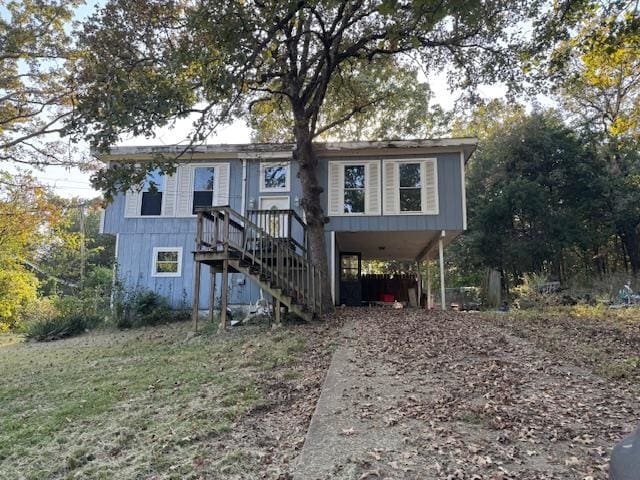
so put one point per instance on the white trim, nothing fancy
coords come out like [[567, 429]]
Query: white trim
[[443, 299], [192, 173], [367, 169], [243, 200], [274, 197], [287, 186], [421, 161], [333, 267], [154, 259], [101, 227], [463, 186]]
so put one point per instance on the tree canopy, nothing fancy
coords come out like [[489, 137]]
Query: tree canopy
[[144, 64], [35, 89]]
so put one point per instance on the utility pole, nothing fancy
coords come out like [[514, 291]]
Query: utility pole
[[81, 221]]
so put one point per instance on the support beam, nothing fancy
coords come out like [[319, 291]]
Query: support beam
[[224, 302], [429, 302], [196, 296], [276, 313], [333, 267], [419, 279], [212, 293], [441, 258], [425, 251]]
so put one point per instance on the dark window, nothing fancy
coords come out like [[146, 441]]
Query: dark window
[[203, 182], [275, 177], [410, 187], [152, 194], [354, 189]]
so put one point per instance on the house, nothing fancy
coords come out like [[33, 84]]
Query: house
[[391, 200]]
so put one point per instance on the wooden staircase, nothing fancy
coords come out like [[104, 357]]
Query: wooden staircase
[[264, 249]]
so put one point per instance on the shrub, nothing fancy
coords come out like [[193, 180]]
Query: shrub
[[48, 329], [142, 307]]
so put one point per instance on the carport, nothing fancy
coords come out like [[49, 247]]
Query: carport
[[350, 249]]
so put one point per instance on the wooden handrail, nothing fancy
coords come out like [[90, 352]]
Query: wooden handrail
[[274, 257]]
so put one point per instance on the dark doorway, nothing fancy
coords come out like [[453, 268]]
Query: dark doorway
[[350, 279]]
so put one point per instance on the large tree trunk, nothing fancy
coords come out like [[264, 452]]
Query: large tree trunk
[[315, 217], [629, 237]]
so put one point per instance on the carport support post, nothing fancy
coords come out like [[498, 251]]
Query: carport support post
[[212, 293], [224, 296], [441, 258], [419, 279], [196, 296], [429, 302]]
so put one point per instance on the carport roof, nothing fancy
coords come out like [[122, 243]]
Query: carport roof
[[384, 245]]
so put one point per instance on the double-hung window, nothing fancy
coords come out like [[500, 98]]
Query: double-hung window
[[354, 189], [204, 180], [410, 187], [151, 202]]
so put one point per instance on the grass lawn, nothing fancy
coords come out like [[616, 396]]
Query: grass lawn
[[154, 402]]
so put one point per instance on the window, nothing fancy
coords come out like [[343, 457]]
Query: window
[[410, 187], [203, 186], [354, 187], [350, 267], [167, 262], [274, 177], [152, 194]]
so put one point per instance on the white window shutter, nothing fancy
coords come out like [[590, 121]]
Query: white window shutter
[[184, 196], [430, 189], [132, 202], [372, 192], [169, 196], [391, 197], [221, 192], [336, 188]]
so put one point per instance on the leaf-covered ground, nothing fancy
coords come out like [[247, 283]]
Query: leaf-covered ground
[[453, 395], [461, 396], [158, 403]]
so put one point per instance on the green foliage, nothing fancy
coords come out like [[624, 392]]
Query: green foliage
[[534, 193], [76, 248], [378, 99], [324, 67], [599, 88], [61, 326], [18, 288], [142, 307], [34, 94]]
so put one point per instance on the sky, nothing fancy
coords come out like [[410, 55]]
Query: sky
[[74, 183]]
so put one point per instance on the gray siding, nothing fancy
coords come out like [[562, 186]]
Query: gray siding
[[135, 261], [450, 215], [114, 221], [138, 236], [253, 186]]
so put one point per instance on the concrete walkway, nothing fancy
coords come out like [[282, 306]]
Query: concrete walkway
[[411, 395], [336, 436]]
